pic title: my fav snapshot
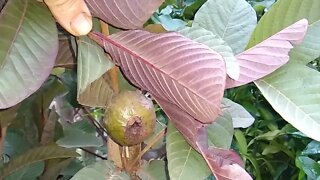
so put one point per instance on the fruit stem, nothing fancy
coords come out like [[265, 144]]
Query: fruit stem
[[152, 142]]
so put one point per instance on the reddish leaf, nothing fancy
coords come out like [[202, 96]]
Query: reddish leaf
[[225, 164], [268, 55], [126, 14], [171, 67]]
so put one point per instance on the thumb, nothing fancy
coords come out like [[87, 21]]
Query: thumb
[[73, 15]]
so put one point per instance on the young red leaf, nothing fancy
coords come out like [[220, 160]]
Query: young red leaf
[[269, 55], [126, 14], [171, 67], [224, 164]]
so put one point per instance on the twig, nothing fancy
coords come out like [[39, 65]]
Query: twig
[[3, 132], [92, 153], [65, 65], [98, 127], [153, 142]]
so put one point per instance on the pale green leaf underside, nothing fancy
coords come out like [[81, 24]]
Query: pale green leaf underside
[[309, 49], [206, 37], [294, 92], [231, 20], [28, 48], [241, 118], [184, 163], [282, 14], [101, 170], [92, 63]]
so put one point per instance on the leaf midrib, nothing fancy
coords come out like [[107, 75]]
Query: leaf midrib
[[118, 45], [17, 29]]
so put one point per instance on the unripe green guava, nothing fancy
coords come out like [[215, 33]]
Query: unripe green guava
[[130, 118]]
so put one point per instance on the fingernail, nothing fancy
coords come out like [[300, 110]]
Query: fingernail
[[81, 24]]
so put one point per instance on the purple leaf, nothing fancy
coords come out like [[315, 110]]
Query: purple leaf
[[171, 67], [269, 55], [225, 164], [126, 14]]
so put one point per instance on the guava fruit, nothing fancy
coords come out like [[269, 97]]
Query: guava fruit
[[130, 118]]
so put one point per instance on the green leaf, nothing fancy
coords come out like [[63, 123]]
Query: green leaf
[[36, 155], [154, 170], [309, 49], [84, 125], [31, 172], [93, 88], [269, 135], [28, 49], [220, 132], [101, 170], [54, 167], [310, 167], [273, 21], [16, 142], [294, 92], [241, 141], [184, 162], [231, 20], [208, 38], [312, 148], [77, 138], [190, 9]]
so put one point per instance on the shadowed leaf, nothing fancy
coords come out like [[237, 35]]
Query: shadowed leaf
[[7, 116], [93, 89], [35, 155], [53, 170], [98, 93], [154, 170], [66, 57]]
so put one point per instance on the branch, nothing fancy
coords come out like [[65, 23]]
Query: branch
[[92, 153]]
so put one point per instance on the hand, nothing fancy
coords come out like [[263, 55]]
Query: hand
[[73, 15]]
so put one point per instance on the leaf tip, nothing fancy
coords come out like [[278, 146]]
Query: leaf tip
[[302, 27]]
